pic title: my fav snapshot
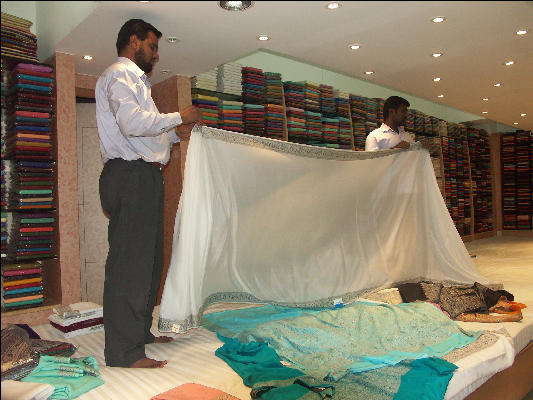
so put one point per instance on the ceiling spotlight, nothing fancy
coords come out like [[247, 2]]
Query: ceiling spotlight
[[436, 55], [354, 46], [511, 62], [440, 96], [521, 32], [172, 39], [144, 1], [515, 123], [263, 38], [369, 72], [485, 99], [235, 5], [497, 84], [523, 114], [436, 79], [333, 6], [484, 112], [164, 71], [88, 57], [439, 19]]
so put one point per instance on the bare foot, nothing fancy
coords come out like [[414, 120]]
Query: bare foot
[[148, 363], [163, 339]]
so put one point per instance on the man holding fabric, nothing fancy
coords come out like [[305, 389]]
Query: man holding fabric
[[390, 135], [135, 142]]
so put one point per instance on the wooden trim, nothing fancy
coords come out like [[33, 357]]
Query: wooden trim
[[496, 180], [513, 383]]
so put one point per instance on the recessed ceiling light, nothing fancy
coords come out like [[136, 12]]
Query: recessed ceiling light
[[172, 39], [439, 19], [515, 123], [369, 72], [355, 46], [436, 79], [333, 5], [144, 1], [484, 112], [485, 99], [440, 96], [436, 55], [164, 71], [510, 62], [521, 32], [87, 57], [523, 114], [235, 5], [497, 84], [263, 37]]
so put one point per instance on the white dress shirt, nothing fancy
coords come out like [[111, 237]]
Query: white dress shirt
[[385, 137], [129, 125]]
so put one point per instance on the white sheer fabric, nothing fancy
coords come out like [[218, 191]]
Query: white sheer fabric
[[262, 219]]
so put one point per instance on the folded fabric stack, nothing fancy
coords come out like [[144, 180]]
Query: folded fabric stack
[[229, 78], [313, 127], [370, 126], [359, 135], [29, 112], [508, 146], [312, 96], [409, 125], [22, 286], [254, 119], [379, 109], [29, 184], [327, 101], [434, 125], [294, 94], [342, 107], [230, 115], [371, 106], [358, 107], [345, 133], [523, 180], [206, 80], [330, 127], [4, 231], [30, 235], [208, 105], [17, 40], [443, 128], [274, 121], [77, 319], [428, 129], [418, 121], [273, 88], [296, 125], [253, 86]]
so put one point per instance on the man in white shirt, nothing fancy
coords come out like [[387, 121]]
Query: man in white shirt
[[135, 142], [390, 135]]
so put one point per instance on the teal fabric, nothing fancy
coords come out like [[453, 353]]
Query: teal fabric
[[71, 377], [254, 362], [427, 379], [355, 338]]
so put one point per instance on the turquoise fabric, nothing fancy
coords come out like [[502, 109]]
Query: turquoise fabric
[[71, 377], [427, 379], [254, 362], [355, 338]]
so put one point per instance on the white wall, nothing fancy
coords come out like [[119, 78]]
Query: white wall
[[294, 70]]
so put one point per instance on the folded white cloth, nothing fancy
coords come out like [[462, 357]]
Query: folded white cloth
[[84, 310], [15, 390]]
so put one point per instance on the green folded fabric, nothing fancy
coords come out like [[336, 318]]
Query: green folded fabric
[[71, 377]]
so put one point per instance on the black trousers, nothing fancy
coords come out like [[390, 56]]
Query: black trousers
[[131, 193]]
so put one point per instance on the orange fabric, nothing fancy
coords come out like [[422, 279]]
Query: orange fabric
[[193, 391]]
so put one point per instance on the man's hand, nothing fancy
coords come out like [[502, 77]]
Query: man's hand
[[191, 115], [402, 145]]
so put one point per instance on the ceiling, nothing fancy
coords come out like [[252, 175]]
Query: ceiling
[[397, 41]]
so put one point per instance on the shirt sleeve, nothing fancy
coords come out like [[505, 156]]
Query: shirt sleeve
[[131, 118], [371, 143]]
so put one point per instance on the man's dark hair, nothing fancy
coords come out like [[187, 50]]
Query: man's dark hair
[[393, 103], [136, 27]]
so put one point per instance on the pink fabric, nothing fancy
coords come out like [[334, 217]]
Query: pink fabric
[[193, 391]]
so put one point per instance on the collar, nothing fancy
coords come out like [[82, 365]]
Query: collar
[[385, 128], [134, 68]]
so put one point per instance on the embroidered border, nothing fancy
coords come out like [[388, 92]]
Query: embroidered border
[[298, 149]]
